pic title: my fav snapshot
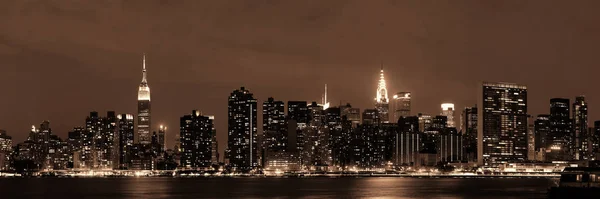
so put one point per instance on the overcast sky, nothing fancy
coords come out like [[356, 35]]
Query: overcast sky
[[61, 59]]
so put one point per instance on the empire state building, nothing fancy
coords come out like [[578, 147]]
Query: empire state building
[[143, 125]]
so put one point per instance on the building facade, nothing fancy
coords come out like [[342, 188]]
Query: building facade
[[242, 148], [401, 105], [502, 123], [144, 109]]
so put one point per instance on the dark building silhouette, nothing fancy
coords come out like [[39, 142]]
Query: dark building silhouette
[[582, 148], [242, 138], [196, 133], [274, 129], [299, 114], [371, 116], [126, 136], [407, 141], [561, 140], [469, 133], [502, 123], [542, 130]]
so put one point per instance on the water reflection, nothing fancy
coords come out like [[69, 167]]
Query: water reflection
[[272, 188]]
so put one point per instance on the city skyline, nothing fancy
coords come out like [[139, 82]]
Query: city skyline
[[84, 76]]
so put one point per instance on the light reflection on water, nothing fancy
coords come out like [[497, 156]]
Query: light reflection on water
[[272, 188]]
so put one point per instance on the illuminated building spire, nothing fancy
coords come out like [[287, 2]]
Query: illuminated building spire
[[382, 95], [144, 69], [324, 103], [144, 89]]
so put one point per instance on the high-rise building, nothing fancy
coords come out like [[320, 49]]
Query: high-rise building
[[448, 111], [162, 131], [542, 130], [469, 132], [561, 140], [5, 141], [5, 150], [580, 124], [125, 139], [274, 129], [242, 144], [106, 141], [196, 133], [381, 99], [371, 116], [407, 141], [351, 114], [299, 114], [425, 122], [144, 109], [595, 141], [75, 143], [502, 123], [401, 105]]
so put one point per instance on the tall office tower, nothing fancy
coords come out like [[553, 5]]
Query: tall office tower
[[242, 144], [144, 109], [580, 124], [401, 105], [561, 142], [106, 141], [381, 99], [126, 139], [5, 141], [407, 141], [334, 135], [214, 144], [299, 114], [75, 143], [469, 131], [5, 150], [595, 141], [351, 114], [531, 139], [448, 111], [502, 123], [439, 123], [162, 132], [542, 131], [371, 116], [425, 122], [316, 148], [196, 132], [274, 129]]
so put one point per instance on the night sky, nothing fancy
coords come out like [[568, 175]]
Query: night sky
[[61, 59]]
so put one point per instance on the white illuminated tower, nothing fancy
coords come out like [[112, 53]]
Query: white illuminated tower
[[381, 100], [324, 101], [448, 111], [143, 125]]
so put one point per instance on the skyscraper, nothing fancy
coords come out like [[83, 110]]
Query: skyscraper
[[196, 133], [502, 123], [425, 122], [162, 131], [242, 143], [125, 139], [542, 131], [299, 114], [580, 122], [561, 139], [401, 105], [381, 99], [469, 130], [448, 111], [144, 109], [274, 128]]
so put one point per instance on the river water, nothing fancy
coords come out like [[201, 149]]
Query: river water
[[370, 187]]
